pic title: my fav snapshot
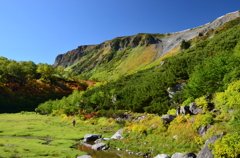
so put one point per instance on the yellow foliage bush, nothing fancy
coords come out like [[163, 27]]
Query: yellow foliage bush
[[64, 116], [199, 140], [230, 98], [228, 146], [152, 122], [139, 128], [172, 112], [202, 120], [202, 103], [178, 119]]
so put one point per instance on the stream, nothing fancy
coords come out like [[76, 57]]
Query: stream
[[112, 153]]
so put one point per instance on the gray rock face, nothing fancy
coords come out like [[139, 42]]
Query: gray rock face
[[69, 58], [168, 118], [177, 155], [99, 146], [162, 156], [185, 110], [194, 108], [207, 152], [85, 156], [118, 135], [190, 155], [170, 42], [91, 137]]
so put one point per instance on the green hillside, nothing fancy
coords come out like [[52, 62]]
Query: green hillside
[[208, 66]]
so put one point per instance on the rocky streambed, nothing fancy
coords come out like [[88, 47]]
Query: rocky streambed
[[94, 145]]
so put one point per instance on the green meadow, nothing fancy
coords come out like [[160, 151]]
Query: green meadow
[[33, 135]]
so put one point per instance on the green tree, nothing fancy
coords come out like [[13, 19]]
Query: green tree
[[184, 44], [46, 70]]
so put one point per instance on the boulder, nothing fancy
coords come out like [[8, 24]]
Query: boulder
[[99, 146], [168, 118], [185, 110], [194, 108], [207, 152], [85, 156], [162, 156], [203, 130], [118, 135], [91, 137], [139, 118], [177, 155], [101, 139], [190, 155]]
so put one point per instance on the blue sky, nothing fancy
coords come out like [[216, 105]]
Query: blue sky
[[39, 30]]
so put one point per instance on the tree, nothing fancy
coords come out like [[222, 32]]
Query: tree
[[60, 71], [46, 70], [185, 45]]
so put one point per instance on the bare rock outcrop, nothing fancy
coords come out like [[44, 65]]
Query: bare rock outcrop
[[206, 152], [118, 134], [194, 108], [177, 155], [162, 156], [168, 118], [91, 137], [189, 155]]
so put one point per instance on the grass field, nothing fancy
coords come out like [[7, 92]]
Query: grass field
[[33, 135]]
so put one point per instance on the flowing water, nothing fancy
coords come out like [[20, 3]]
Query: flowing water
[[112, 153]]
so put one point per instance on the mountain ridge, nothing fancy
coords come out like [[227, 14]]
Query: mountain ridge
[[93, 59]]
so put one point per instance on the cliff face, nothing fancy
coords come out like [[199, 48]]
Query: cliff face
[[70, 57], [127, 54]]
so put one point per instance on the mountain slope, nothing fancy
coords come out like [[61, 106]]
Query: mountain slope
[[126, 55], [207, 67]]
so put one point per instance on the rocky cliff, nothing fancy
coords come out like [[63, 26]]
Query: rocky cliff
[[127, 54]]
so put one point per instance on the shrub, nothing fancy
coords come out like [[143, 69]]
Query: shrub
[[228, 146], [185, 45], [201, 102], [202, 120], [171, 112], [199, 140], [230, 98], [188, 101]]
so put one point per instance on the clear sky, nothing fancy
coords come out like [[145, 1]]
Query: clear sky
[[39, 30]]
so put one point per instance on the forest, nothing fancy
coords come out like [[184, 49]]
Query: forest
[[24, 85]]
